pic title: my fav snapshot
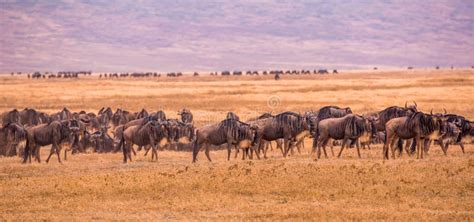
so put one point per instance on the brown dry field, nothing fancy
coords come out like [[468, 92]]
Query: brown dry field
[[100, 187]]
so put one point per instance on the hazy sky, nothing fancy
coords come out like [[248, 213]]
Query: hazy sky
[[174, 35]]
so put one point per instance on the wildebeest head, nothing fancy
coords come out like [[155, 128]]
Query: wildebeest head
[[231, 115], [142, 114], [159, 115], [107, 111], [160, 130], [186, 115], [256, 136], [12, 117], [412, 108]]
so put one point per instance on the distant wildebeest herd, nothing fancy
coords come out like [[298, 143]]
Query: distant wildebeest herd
[[71, 74], [400, 129]]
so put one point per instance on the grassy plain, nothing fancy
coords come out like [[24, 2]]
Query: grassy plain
[[99, 186]]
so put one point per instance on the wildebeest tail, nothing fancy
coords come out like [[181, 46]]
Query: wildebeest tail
[[26, 151]]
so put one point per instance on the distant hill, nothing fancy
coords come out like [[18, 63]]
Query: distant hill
[[208, 35]]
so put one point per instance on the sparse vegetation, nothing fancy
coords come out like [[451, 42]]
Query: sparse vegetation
[[100, 187]]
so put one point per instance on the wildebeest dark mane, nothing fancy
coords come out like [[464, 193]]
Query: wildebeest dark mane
[[233, 128], [354, 127], [424, 122], [391, 112], [287, 119], [326, 112]]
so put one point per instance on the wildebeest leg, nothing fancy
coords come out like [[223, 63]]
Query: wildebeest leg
[[154, 152], [418, 148], [407, 148], [344, 141], [207, 152], [58, 152], [322, 144], [37, 153], [229, 150], [65, 154], [461, 145], [330, 142], [446, 146], [237, 151], [196, 147], [286, 146], [368, 146], [146, 151], [265, 148], [427, 144], [358, 147], [26, 152], [140, 148], [52, 151], [253, 149], [133, 150], [443, 147]]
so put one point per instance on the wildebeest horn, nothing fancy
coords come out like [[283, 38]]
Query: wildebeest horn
[[445, 112], [415, 103], [405, 104], [431, 112]]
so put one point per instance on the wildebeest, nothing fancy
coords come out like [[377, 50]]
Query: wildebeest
[[287, 126], [186, 116], [29, 117], [121, 117], [152, 133], [393, 112], [419, 127], [102, 142], [463, 124], [228, 131], [451, 134], [53, 133], [10, 135], [12, 116], [349, 127]]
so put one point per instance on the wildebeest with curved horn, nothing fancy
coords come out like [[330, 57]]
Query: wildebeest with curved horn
[[186, 116], [159, 115], [152, 133], [419, 126], [463, 124], [121, 117], [231, 115], [393, 112], [53, 134], [349, 127], [228, 131], [12, 116], [142, 114]]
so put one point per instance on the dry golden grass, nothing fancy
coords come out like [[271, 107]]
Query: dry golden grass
[[93, 186]]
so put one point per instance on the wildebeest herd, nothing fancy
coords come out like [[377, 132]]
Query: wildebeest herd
[[400, 129]]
